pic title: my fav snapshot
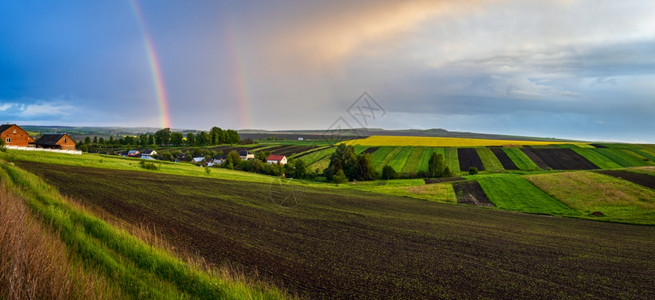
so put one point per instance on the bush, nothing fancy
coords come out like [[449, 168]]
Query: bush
[[148, 165], [389, 173], [473, 170], [340, 177]]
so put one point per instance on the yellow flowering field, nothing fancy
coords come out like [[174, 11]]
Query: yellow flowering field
[[377, 140]]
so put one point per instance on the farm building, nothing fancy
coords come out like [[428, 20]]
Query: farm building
[[56, 141], [148, 154], [277, 159], [246, 155], [13, 135], [133, 153]]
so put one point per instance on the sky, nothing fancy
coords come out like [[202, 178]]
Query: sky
[[561, 68]]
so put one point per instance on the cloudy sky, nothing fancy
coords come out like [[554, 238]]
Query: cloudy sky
[[561, 68]]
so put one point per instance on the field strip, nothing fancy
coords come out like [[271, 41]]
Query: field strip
[[398, 162], [600, 196], [596, 158], [452, 159], [440, 142], [489, 159], [515, 193], [413, 161], [522, 161]]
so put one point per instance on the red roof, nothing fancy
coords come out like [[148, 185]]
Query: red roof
[[275, 157]]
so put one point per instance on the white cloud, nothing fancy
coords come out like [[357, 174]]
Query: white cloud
[[6, 106], [46, 109]]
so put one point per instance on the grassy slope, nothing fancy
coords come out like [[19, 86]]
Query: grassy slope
[[347, 244], [414, 188], [588, 192], [414, 160], [380, 155], [596, 158], [425, 157], [452, 159], [621, 158], [522, 161], [137, 269], [316, 156], [512, 192], [489, 159], [398, 162], [387, 159]]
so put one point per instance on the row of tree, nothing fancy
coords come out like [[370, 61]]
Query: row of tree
[[166, 137]]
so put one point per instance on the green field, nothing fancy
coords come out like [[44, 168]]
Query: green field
[[596, 158], [587, 192], [489, 159], [452, 159], [398, 161], [346, 243], [622, 158], [512, 192], [414, 160], [522, 161], [380, 155], [425, 157], [316, 156]]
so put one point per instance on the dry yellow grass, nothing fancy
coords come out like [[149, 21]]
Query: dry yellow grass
[[34, 263], [377, 140]]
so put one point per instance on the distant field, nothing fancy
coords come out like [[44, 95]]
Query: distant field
[[521, 161], [588, 192], [398, 161], [622, 158], [515, 193], [489, 159], [440, 142], [598, 159], [343, 243], [414, 160]]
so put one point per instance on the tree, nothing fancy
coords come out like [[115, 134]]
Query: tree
[[388, 172], [203, 139], [232, 137], [263, 155], [87, 140], [343, 158], [233, 158], [300, 168], [101, 141], [163, 136], [473, 170], [436, 165], [365, 169], [176, 139], [143, 140], [95, 140], [340, 177], [151, 139], [216, 134], [190, 139]]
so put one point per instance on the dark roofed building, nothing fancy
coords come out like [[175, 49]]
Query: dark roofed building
[[56, 141]]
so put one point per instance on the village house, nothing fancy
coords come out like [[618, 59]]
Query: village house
[[59, 141], [246, 155], [148, 154], [13, 135], [277, 159], [133, 153]]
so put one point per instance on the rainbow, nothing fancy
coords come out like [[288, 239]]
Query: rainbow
[[239, 67], [155, 68]]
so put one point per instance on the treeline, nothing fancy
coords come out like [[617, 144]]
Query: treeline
[[345, 165], [165, 137]]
